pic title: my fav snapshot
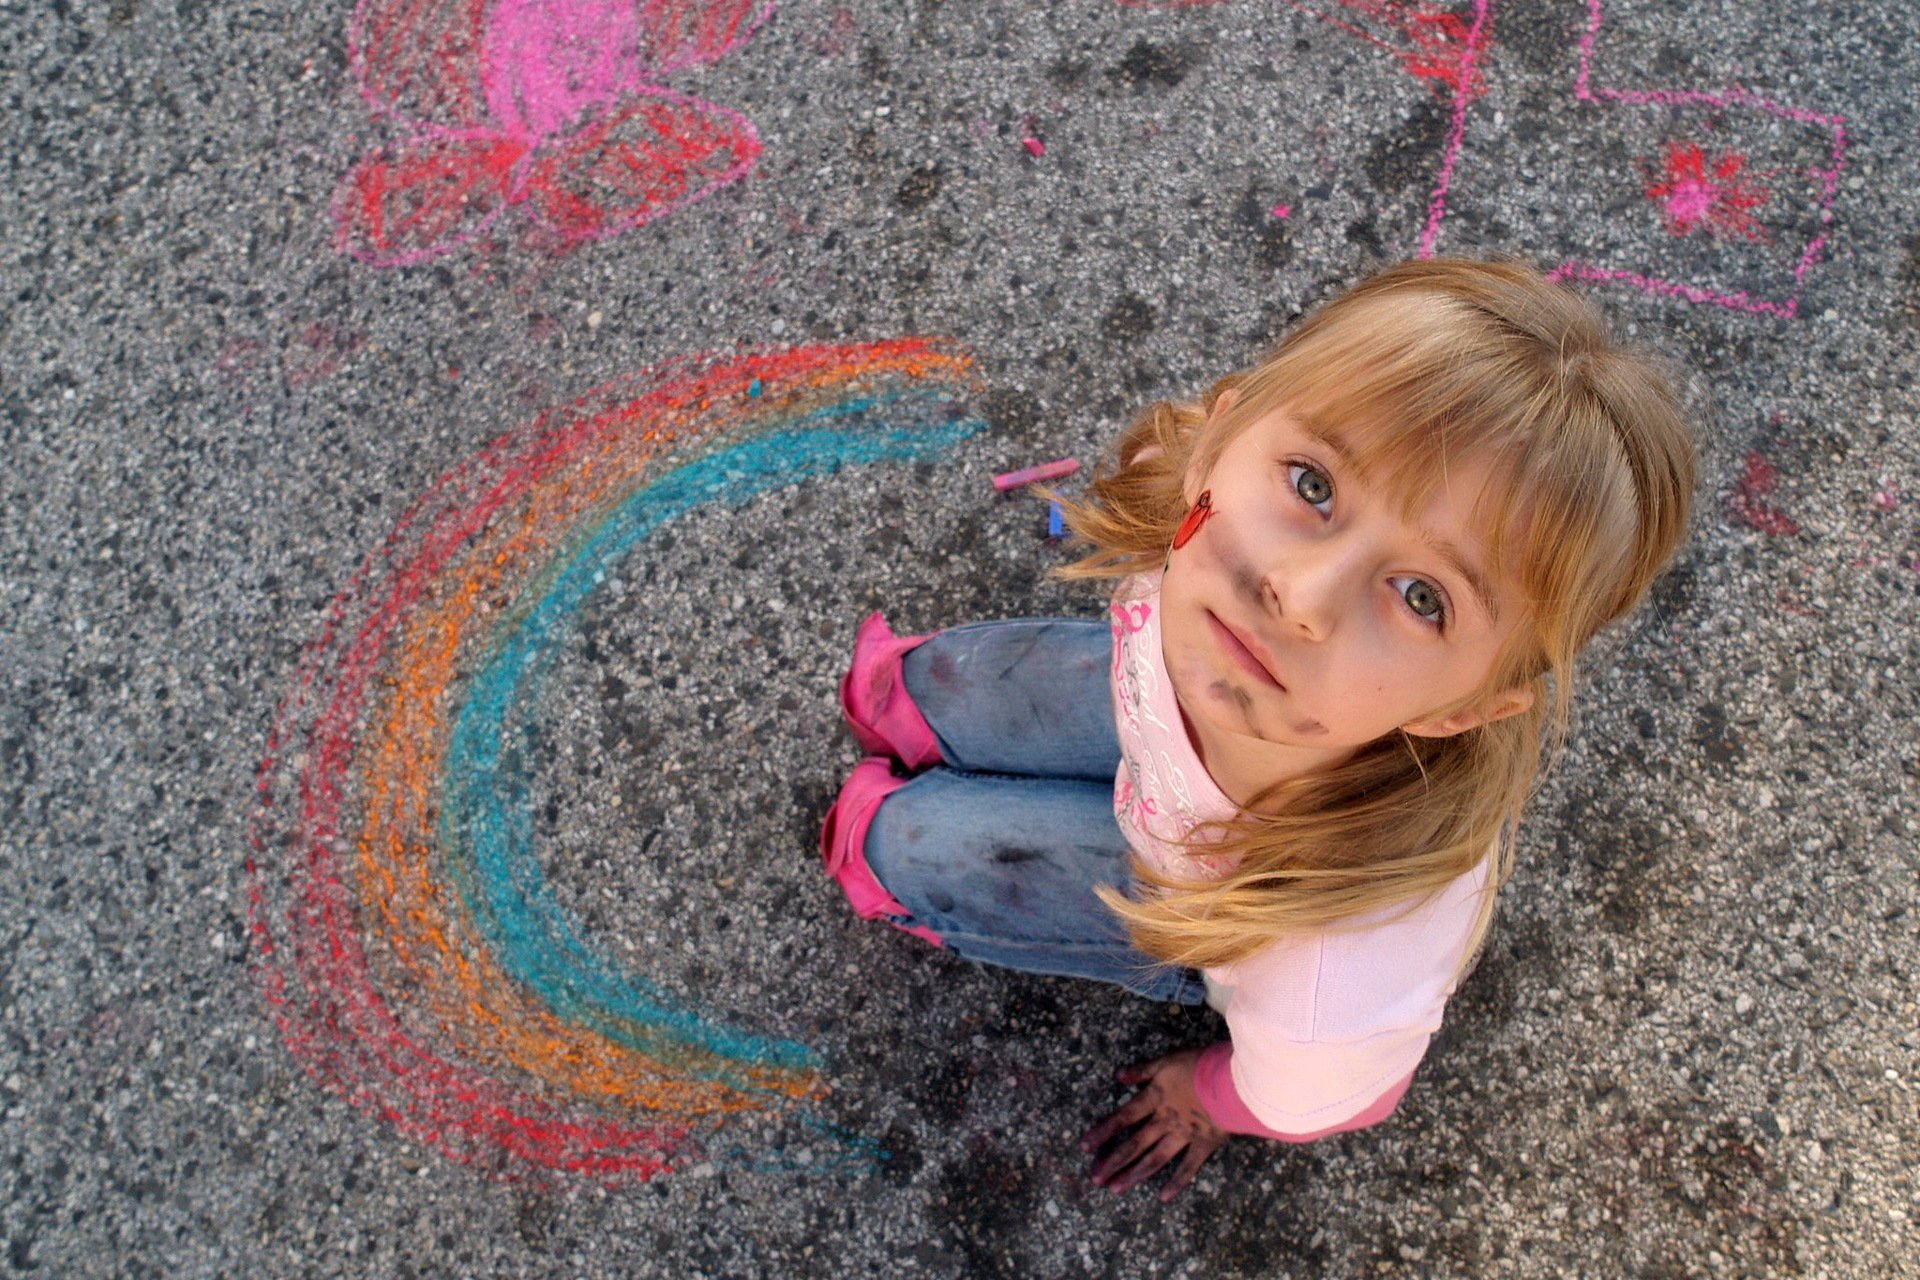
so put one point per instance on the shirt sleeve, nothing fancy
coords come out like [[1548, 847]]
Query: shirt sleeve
[[1326, 1030], [1213, 1079]]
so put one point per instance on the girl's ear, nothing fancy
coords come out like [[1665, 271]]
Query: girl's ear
[[1508, 702], [1195, 481]]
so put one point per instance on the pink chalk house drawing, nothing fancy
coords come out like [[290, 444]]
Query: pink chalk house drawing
[[1713, 194], [557, 105]]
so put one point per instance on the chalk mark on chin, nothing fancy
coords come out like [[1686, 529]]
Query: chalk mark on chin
[[1242, 700]]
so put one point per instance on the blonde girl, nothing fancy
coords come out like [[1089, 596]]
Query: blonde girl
[[1283, 776]]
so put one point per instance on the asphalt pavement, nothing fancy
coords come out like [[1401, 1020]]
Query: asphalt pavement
[[445, 452]]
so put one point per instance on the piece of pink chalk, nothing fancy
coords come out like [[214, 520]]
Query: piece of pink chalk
[[1034, 146], [1282, 210], [1034, 475]]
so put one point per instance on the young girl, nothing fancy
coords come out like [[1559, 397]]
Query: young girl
[[1284, 778]]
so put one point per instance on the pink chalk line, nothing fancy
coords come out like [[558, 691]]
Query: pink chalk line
[[1456, 134], [1737, 96], [1738, 300]]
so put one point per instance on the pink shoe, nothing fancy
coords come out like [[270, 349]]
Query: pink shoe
[[873, 697], [843, 843]]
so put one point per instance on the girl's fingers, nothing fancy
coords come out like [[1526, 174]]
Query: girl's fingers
[[1137, 1108], [1155, 1158], [1123, 1155], [1095, 1138], [1188, 1168]]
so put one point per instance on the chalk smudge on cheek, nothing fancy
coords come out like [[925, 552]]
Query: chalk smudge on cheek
[[1219, 545], [1248, 584], [1221, 549]]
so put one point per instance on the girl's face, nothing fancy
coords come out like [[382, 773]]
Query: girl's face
[[1308, 616]]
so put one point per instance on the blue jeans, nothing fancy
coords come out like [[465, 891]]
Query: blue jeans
[[998, 849]]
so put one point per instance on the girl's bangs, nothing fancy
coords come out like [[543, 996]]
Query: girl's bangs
[[1412, 387], [1406, 399]]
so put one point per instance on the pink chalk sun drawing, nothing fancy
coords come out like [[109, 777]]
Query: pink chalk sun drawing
[[1712, 194], [556, 105]]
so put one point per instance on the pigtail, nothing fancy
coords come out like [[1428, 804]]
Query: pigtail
[[1134, 501]]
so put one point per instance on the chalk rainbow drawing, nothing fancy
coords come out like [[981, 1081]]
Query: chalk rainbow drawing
[[404, 937], [555, 104], [1714, 192]]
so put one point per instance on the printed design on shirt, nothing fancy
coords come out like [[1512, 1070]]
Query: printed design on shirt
[[1127, 619], [409, 945], [1157, 802]]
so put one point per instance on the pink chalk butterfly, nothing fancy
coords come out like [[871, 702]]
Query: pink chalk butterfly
[[557, 105]]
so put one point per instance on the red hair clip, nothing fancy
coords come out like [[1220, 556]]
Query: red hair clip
[[1195, 518]]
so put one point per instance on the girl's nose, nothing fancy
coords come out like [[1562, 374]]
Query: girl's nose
[[1306, 589]]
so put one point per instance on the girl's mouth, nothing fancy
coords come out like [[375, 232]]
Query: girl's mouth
[[1242, 652]]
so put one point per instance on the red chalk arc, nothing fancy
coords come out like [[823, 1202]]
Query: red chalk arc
[[437, 988]]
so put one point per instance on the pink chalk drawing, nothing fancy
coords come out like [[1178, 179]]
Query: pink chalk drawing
[[558, 105], [1429, 42], [1715, 194], [1463, 82], [1444, 49], [1751, 501]]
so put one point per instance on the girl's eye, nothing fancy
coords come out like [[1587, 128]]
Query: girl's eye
[[1423, 598], [1313, 486]]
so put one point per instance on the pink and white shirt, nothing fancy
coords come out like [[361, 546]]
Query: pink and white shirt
[[1326, 1028]]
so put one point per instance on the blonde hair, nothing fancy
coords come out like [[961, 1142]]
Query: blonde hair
[[1424, 364]]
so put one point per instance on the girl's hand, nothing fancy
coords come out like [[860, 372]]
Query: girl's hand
[[1165, 1120]]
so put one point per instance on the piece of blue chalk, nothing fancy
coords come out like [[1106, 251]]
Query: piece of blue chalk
[[753, 388], [1056, 522]]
